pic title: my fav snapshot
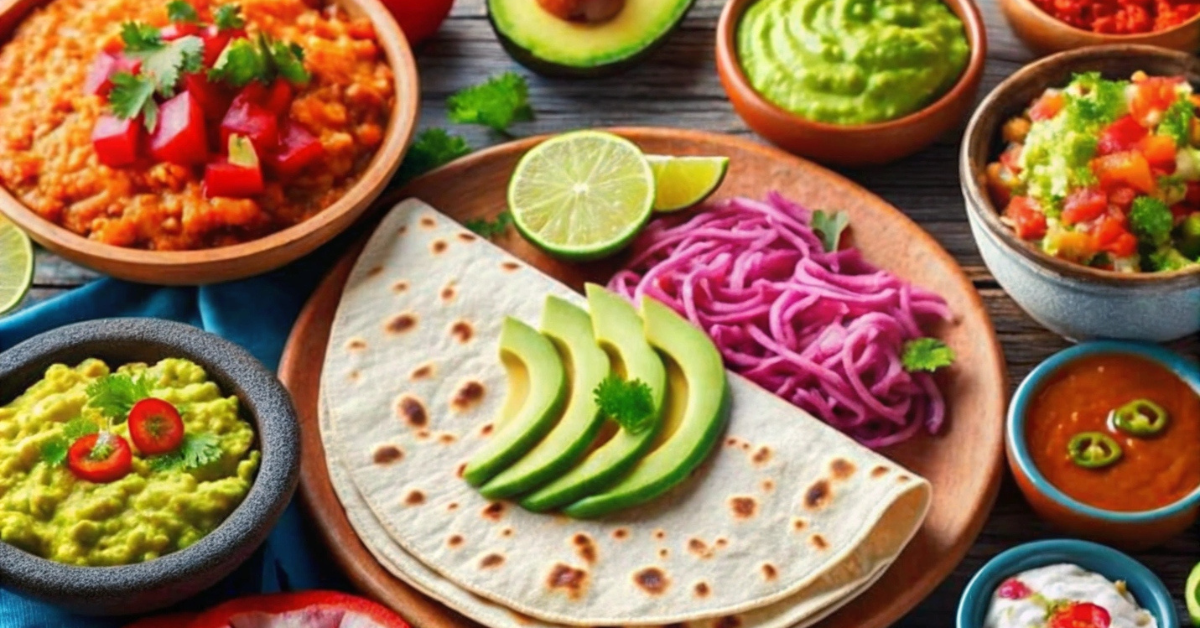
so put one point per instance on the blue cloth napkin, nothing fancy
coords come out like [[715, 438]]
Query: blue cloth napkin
[[255, 313]]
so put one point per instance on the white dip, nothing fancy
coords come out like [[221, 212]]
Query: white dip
[[1053, 588]]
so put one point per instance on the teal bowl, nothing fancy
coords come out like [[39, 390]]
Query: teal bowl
[[1150, 592]]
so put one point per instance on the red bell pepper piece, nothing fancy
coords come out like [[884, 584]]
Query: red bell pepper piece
[[277, 98], [307, 609], [215, 41], [253, 121], [1120, 136], [1159, 151], [222, 178], [1152, 97], [117, 141], [107, 65], [171, 32], [1027, 218], [1129, 168], [1083, 205], [180, 137], [213, 99], [297, 149]]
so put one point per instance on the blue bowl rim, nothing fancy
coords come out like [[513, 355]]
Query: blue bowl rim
[[1116, 566], [1015, 428]]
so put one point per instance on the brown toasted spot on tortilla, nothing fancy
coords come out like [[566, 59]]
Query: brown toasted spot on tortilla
[[486, 429], [660, 534], [422, 434], [356, 344], [412, 410], [455, 540], [728, 621], [414, 498], [446, 438], [768, 485], [400, 286], [428, 222], [819, 541], [402, 230], [903, 478], [798, 523], [652, 580], [585, 547], [663, 552], [507, 532], [699, 548], [401, 323], [701, 589], [493, 511], [452, 506], [354, 375], [879, 471], [841, 468], [466, 237], [524, 620], [438, 247], [620, 534], [461, 470], [769, 572], [818, 495], [449, 291], [387, 454], [462, 331], [468, 395], [509, 266], [762, 456], [743, 507], [421, 372], [731, 441], [721, 542], [571, 580], [375, 271], [745, 446], [491, 561]]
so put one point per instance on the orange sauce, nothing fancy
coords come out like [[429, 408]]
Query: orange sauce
[[1154, 471]]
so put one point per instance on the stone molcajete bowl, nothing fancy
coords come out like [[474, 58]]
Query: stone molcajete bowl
[[163, 581]]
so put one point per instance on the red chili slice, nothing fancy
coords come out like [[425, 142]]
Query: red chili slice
[[1080, 615], [155, 426], [308, 609], [114, 461]]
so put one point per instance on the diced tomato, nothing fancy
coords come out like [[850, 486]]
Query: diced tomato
[[1083, 205], [1080, 615], [1122, 197], [1047, 106], [297, 149], [1159, 151], [1027, 218], [213, 99], [1107, 230], [222, 178], [1013, 589], [1151, 98], [171, 32], [155, 426], [1120, 136], [277, 98], [1129, 168], [180, 137], [100, 458], [253, 121], [106, 65], [117, 141], [1011, 158], [215, 41]]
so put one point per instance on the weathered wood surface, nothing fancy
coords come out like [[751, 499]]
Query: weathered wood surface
[[678, 87]]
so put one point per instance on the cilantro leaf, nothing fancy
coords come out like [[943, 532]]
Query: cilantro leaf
[[285, 59], [830, 225], [1177, 121], [132, 96], [79, 427], [630, 404], [115, 395], [228, 17], [240, 63], [139, 37], [490, 228], [497, 103], [432, 148], [1151, 220], [54, 451], [196, 451], [180, 11], [164, 65], [926, 354]]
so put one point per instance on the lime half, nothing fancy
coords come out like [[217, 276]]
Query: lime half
[[582, 195], [1192, 593], [16, 265], [683, 182]]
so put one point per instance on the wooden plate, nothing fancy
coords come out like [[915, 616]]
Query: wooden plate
[[963, 463]]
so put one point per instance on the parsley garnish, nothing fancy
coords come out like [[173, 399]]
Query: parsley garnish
[[830, 225], [490, 228], [926, 354], [629, 403], [228, 17], [115, 395], [244, 60], [432, 148], [194, 452], [179, 11], [497, 103], [1151, 220]]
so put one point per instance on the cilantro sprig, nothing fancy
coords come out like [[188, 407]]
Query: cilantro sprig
[[433, 148], [830, 226], [54, 450], [196, 451], [182, 12], [926, 354], [162, 65], [629, 403], [263, 59], [496, 103], [229, 17], [490, 228], [115, 395]]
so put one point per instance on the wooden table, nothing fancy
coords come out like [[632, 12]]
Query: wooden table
[[678, 87]]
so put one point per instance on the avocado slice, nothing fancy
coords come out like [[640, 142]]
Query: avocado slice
[[535, 370], [570, 328], [618, 329], [1192, 595], [703, 408], [555, 47]]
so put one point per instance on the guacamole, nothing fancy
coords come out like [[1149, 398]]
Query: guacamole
[[153, 510], [851, 61]]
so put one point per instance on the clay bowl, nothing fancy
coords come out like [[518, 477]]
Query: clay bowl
[[858, 144], [1074, 301], [1045, 34], [258, 256], [158, 583]]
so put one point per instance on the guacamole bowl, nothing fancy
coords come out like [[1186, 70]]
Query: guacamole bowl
[[262, 403], [1076, 301]]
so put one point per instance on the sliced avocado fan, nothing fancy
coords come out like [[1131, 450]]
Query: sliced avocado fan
[[618, 329], [546, 382], [703, 419], [570, 328]]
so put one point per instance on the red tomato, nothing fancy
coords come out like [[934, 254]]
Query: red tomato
[[1013, 589], [297, 150], [1151, 98], [1080, 615], [308, 609], [117, 141], [1047, 106], [253, 121], [180, 137], [1120, 136], [1083, 205], [1011, 158], [113, 466], [1129, 168], [222, 178], [419, 19], [171, 32], [1028, 220], [1159, 151], [99, 78], [1122, 197], [155, 426]]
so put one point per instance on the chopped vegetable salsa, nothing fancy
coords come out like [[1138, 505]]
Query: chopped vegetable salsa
[[1121, 17]]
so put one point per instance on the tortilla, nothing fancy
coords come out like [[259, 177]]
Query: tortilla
[[786, 507]]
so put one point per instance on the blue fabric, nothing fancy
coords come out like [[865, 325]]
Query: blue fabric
[[255, 313]]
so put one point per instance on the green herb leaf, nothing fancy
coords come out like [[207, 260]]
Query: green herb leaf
[[284, 59], [490, 228], [114, 395], [228, 17], [132, 96], [139, 37], [54, 451], [1151, 221], [432, 148], [181, 12], [240, 63], [196, 451], [164, 65], [926, 354], [830, 225], [630, 404], [497, 103], [79, 427]]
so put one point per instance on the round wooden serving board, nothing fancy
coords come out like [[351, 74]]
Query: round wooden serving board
[[963, 463]]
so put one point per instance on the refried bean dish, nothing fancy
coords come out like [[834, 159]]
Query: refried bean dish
[[190, 124]]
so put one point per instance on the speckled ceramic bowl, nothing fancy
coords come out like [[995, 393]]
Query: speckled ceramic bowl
[[1073, 300], [1131, 530], [163, 581], [1147, 589]]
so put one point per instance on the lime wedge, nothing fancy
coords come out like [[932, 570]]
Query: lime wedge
[[1192, 593], [684, 182], [582, 195], [16, 265]]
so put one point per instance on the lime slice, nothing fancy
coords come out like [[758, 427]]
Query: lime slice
[[16, 265], [685, 181], [582, 195], [1192, 593]]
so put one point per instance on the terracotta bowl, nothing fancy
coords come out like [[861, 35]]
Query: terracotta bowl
[[1045, 34], [158, 583], [856, 144], [261, 255]]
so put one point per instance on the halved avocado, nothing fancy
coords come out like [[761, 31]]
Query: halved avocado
[[556, 47], [537, 386], [618, 329], [570, 328], [703, 409]]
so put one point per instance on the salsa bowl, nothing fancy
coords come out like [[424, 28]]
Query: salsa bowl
[[1046, 34], [160, 582], [1130, 529], [1072, 300], [1146, 587]]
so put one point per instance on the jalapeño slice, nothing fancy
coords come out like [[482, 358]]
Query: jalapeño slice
[[1093, 450], [1140, 417]]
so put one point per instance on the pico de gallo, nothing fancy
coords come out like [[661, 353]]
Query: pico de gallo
[[1106, 173]]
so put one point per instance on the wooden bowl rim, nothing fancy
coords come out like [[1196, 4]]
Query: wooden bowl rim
[[401, 126], [1035, 12], [979, 203], [727, 60]]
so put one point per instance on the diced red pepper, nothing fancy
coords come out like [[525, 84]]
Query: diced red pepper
[[116, 141], [1129, 168], [253, 121], [1120, 136], [277, 98], [1083, 205], [107, 65], [1151, 98], [1028, 220], [1047, 106], [213, 99], [222, 178], [1159, 151], [180, 137], [297, 149], [1011, 158], [216, 40], [171, 32]]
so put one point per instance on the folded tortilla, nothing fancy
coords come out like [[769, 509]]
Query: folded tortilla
[[788, 517]]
